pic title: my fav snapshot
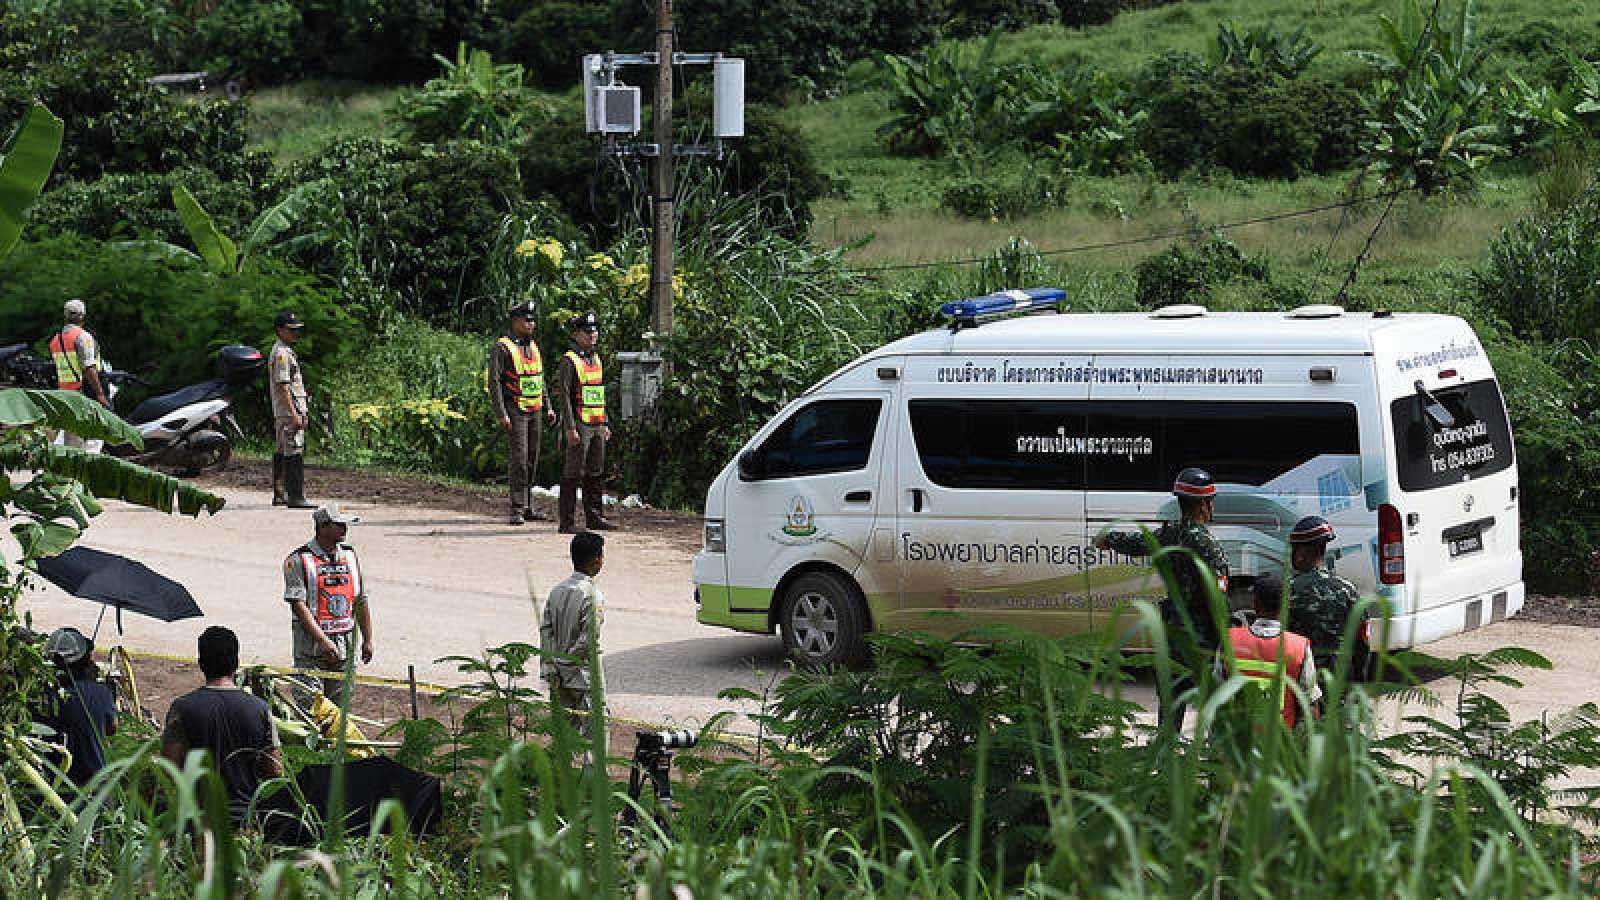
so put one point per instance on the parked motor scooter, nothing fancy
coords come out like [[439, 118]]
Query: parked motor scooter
[[184, 430], [19, 367]]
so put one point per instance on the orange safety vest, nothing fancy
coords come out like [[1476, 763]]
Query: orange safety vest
[[1256, 658], [336, 581], [591, 393], [64, 353], [525, 379]]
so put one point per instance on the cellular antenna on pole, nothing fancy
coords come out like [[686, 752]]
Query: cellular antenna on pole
[[612, 110]]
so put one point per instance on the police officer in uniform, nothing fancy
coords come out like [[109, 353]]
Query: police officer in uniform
[[73, 351], [327, 597], [1196, 495], [582, 399], [1319, 601], [290, 405], [516, 394]]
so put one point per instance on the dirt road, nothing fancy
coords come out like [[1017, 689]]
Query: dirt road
[[453, 581]]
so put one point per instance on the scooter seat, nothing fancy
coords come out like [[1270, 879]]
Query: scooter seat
[[162, 404]]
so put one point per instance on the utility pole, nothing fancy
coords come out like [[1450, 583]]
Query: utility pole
[[664, 234]]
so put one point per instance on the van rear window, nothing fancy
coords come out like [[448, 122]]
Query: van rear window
[[1431, 455]]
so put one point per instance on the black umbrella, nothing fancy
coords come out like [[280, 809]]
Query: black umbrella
[[367, 783], [119, 582]]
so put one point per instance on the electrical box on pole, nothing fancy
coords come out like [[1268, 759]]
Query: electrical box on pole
[[612, 110]]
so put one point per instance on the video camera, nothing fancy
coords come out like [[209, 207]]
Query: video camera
[[656, 741]]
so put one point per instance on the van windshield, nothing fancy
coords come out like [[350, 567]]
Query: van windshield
[[1478, 443]]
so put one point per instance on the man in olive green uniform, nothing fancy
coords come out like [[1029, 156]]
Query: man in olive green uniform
[[570, 623], [1319, 601], [581, 404], [516, 395], [1196, 495], [290, 405]]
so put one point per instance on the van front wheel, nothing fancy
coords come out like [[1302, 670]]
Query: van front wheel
[[823, 621]]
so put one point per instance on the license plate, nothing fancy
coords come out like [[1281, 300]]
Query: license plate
[[1472, 543]]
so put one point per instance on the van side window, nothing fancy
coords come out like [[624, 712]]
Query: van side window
[[1254, 443], [826, 436], [1130, 445], [1006, 444]]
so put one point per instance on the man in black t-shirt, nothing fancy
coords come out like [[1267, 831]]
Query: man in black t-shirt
[[234, 726], [85, 712]]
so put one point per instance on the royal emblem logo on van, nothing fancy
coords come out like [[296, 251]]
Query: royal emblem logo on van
[[1466, 503], [800, 520]]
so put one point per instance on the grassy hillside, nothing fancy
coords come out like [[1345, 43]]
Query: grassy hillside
[[895, 200]]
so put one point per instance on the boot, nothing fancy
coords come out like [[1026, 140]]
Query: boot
[[594, 495], [567, 507], [277, 479], [294, 481], [529, 513]]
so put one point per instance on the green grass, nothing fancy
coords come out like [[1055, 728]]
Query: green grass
[[896, 201], [296, 121]]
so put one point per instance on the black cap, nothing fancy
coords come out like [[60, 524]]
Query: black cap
[[582, 321], [287, 319], [524, 310]]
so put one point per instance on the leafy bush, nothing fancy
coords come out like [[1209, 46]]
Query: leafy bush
[[385, 40], [415, 219], [1247, 120], [969, 18], [1091, 12], [1186, 273], [1010, 193], [172, 315], [128, 206], [256, 40], [1264, 47], [549, 38], [473, 98], [118, 124], [1543, 274], [789, 46]]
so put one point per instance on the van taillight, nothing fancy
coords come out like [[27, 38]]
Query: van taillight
[[1391, 546]]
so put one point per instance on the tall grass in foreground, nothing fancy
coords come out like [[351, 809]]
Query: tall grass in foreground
[[1019, 770]]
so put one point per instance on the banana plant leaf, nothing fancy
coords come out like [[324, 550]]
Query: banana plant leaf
[[69, 410], [216, 248], [25, 164]]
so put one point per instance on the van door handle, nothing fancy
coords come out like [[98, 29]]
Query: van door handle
[[858, 497], [916, 499]]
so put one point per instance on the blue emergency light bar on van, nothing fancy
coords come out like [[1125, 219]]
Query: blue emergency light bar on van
[[966, 313]]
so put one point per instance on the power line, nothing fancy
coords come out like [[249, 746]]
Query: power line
[[1131, 242]]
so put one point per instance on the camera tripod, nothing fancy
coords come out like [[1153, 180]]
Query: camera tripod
[[652, 759]]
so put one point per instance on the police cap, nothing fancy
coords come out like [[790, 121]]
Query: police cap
[[583, 320], [287, 319], [1194, 482], [1311, 530], [526, 309]]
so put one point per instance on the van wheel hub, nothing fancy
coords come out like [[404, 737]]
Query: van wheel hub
[[815, 623]]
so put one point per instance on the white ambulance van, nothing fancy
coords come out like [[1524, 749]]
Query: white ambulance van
[[958, 477]]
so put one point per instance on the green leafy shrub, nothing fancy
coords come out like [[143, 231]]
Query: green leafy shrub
[[472, 98], [1077, 13], [1542, 277], [1264, 47], [118, 124], [256, 40], [172, 315], [549, 38], [1187, 273], [416, 219], [129, 206], [969, 18], [789, 46], [1010, 193], [385, 40]]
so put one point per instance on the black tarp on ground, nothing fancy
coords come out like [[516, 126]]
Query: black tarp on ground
[[367, 783]]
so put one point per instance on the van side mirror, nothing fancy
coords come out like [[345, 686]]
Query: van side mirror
[[750, 466]]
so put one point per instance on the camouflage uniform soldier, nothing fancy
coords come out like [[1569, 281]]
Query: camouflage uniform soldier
[[1196, 494], [1319, 601]]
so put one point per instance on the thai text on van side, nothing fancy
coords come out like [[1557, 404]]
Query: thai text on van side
[[1076, 445], [1034, 553], [1069, 373], [1448, 353]]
